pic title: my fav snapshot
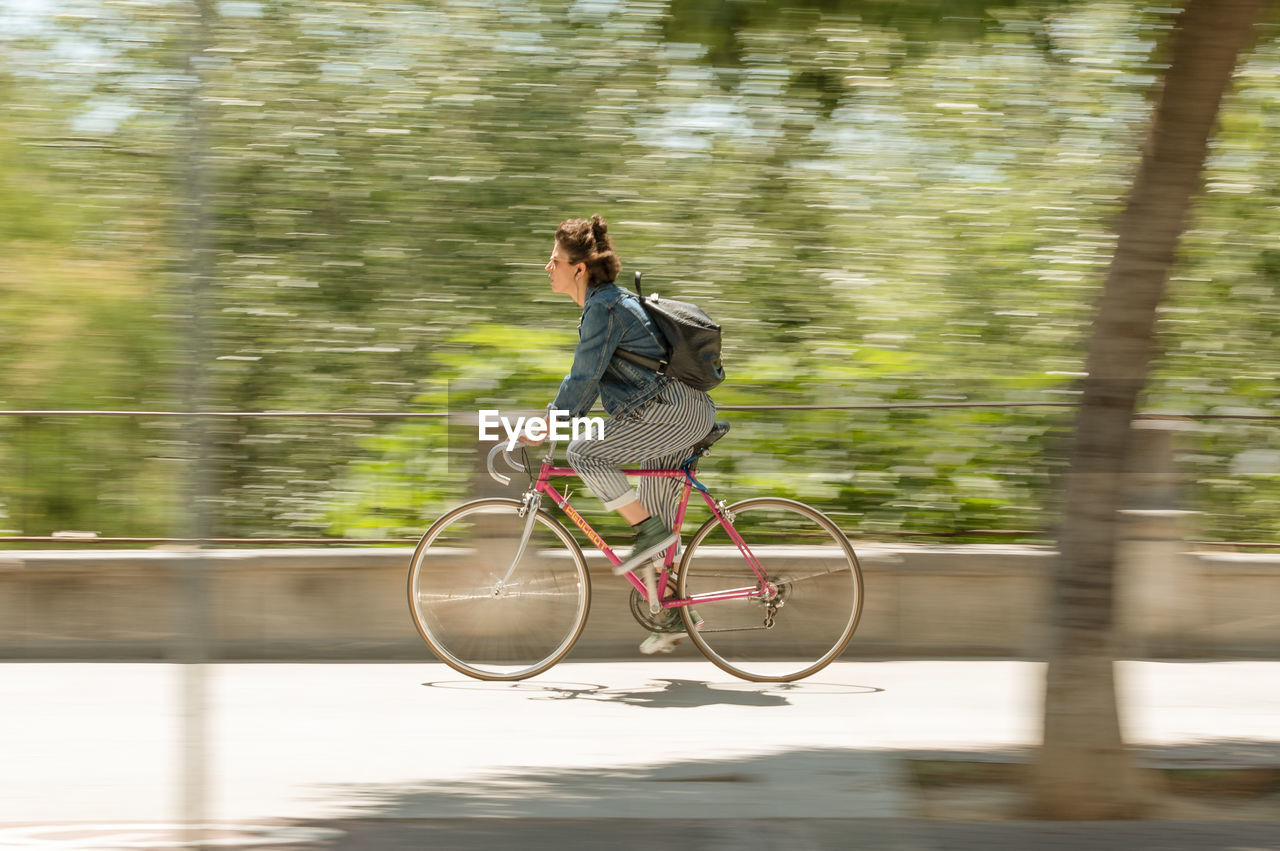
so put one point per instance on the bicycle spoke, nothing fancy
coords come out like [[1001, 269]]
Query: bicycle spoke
[[482, 624], [809, 569], [804, 577]]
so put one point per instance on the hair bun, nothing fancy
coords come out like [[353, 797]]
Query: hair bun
[[587, 241]]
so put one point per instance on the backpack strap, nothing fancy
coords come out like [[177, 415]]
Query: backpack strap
[[658, 366]]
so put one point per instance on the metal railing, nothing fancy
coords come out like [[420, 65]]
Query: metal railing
[[389, 415]]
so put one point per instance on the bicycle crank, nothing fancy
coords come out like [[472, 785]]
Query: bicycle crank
[[665, 620]]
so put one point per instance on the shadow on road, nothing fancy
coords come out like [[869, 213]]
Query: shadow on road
[[664, 693], [787, 799], [791, 833], [796, 783]]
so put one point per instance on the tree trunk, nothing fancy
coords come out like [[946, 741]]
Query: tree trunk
[[1083, 770]]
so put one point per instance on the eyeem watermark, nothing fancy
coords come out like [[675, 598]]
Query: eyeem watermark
[[559, 427]]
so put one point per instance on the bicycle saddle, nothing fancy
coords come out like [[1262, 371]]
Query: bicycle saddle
[[719, 430]]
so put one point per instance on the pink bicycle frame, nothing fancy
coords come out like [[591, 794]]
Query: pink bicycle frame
[[763, 589]]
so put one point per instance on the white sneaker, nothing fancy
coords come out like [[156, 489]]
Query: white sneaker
[[660, 642]]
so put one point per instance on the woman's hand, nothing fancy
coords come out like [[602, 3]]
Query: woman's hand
[[524, 438]]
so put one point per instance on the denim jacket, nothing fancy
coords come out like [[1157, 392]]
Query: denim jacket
[[612, 318]]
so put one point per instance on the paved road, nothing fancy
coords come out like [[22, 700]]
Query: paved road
[[619, 834], [411, 756]]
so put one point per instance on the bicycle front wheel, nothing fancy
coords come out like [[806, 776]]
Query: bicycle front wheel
[[789, 623], [482, 615]]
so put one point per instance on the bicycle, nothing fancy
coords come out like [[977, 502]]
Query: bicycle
[[499, 589]]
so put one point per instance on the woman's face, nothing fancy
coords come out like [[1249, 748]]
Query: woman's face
[[565, 277]]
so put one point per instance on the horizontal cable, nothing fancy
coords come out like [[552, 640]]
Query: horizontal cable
[[95, 539], [880, 406], [227, 414], [339, 542]]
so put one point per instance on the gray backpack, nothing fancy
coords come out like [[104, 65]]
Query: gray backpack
[[692, 339]]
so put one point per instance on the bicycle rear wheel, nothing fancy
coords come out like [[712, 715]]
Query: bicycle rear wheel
[[477, 623], [805, 620]]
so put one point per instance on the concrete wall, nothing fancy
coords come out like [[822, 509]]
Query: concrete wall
[[921, 601]]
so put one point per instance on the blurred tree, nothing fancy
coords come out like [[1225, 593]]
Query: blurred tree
[[1083, 770]]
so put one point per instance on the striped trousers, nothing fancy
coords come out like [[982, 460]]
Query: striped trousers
[[657, 435]]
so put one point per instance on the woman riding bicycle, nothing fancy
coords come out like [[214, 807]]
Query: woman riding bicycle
[[653, 420]]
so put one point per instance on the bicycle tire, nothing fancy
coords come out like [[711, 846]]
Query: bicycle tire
[[819, 587], [511, 634]]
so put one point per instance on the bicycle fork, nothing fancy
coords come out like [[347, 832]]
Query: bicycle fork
[[529, 511]]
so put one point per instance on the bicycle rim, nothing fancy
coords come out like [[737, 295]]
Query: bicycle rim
[[818, 583], [481, 626]]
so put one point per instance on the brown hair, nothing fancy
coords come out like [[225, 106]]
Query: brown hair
[[588, 242]]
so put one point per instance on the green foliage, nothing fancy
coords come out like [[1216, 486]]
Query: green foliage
[[883, 202]]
